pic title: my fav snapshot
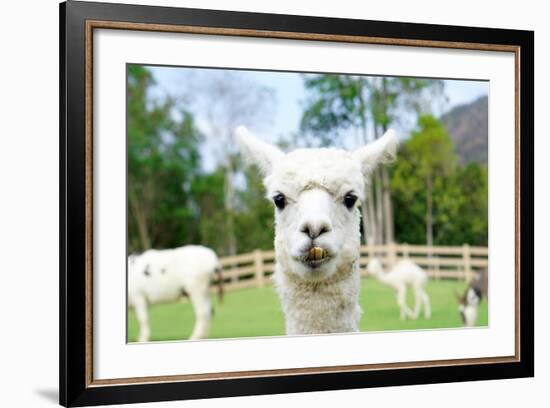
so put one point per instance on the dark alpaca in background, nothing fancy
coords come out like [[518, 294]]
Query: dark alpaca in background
[[468, 303]]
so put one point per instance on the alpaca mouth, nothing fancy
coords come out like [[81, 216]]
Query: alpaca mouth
[[315, 257]]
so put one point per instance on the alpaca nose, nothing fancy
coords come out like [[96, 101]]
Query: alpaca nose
[[315, 229]]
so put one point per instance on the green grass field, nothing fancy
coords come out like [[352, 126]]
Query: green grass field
[[256, 312]]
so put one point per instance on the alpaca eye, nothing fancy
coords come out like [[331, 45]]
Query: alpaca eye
[[349, 200], [280, 201]]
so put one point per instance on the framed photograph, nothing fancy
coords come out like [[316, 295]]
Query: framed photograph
[[257, 204]]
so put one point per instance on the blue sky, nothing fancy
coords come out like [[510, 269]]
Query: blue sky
[[289, 95]]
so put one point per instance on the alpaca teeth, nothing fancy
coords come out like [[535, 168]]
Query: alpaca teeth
[[316, 254]]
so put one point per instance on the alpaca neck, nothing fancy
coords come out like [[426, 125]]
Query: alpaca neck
[[381, 276], [329, 306], [384, 277]]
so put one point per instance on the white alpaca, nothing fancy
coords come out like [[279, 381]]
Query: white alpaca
[[316, 193], [158, 276], [404, 274]]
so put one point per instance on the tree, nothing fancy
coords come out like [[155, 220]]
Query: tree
[[254, 218], [163, 160], [459, 196], [471, 222], [391, 97], [228, 99], [427, 162], [208, 192]]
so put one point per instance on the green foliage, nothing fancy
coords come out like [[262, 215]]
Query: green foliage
[[171, 200], [459, 193], [471, 223], [431, 149], [253, 215], [163, 160], [207, 191], [390, 97], [336, 102], [257, 312], [254, 220]]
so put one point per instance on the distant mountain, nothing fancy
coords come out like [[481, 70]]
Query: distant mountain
[[468, 127]]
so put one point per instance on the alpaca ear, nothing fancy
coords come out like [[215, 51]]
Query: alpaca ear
[[256, 151], [380, 151]]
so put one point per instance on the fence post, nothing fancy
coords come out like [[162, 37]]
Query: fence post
[[259, 267], [405, 250], [429, 255], [467, 263], [234, 277]]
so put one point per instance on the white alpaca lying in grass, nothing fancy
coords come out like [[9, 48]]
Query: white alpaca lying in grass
[[316, 193], [404, 274], [158, 276]]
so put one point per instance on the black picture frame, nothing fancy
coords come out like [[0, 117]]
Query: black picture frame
[[76, 387]]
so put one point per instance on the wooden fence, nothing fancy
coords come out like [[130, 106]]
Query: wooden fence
[[441, 262]]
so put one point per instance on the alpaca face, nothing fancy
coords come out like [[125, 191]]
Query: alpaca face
[[317, 224], [316, 194], [374, 267]]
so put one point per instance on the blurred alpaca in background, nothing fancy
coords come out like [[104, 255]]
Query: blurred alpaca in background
[[468, 303], [404, 274]]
